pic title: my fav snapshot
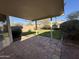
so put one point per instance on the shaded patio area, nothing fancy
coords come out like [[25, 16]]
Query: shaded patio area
[[36, 47]]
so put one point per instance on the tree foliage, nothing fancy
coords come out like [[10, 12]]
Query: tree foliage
[[70, 28], [73, 16]]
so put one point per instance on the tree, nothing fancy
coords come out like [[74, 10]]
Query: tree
[[73, 16], [70, 28], [45, 23]]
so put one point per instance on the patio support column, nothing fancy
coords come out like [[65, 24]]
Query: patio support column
[[9, 29], [51, 29], [36, 27]]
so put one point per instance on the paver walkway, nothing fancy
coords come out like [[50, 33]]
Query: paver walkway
[[33, 48]]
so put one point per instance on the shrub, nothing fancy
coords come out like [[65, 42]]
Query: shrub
[[29, 31], [70, 29], [56, 29]]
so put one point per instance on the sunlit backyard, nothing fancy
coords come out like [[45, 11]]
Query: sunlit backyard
[[56, 34]]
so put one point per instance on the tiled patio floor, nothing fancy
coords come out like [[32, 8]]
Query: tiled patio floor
[[70, 51], [33, 48]]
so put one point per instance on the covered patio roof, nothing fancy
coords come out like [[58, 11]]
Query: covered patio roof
[[32, 9]]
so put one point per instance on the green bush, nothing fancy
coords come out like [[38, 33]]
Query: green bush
[[70, 29], [56, 29], [29, 31]]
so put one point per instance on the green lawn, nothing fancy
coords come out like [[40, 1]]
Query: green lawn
[[55, 34], [46, 33]]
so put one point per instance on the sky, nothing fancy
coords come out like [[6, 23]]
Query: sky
[[70, 6]]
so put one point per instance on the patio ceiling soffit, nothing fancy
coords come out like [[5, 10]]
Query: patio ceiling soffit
[[32, 9]]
